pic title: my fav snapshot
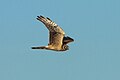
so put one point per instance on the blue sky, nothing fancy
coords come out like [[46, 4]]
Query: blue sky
[[94, 25]]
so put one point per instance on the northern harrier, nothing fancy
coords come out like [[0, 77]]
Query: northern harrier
[[57, 39]]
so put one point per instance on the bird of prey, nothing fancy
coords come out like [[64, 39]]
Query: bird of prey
[[57, 39]]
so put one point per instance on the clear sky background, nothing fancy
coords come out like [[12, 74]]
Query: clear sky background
[[94, 25]]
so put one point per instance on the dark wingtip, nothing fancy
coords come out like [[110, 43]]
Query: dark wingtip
[[69, 38], [41, 16], [33, 48], [48, 18], [38, 17]]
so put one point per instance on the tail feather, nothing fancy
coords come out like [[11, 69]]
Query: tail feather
[[42, 47]]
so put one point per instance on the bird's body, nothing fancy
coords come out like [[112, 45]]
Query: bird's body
[[57, 39]]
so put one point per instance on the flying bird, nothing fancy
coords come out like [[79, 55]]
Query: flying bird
[[57, 39]]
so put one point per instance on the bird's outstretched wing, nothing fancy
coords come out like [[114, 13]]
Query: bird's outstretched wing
[[56, 33]]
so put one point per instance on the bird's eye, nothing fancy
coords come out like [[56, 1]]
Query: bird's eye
[[55, 26]]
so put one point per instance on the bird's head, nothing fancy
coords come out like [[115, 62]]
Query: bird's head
[[65, 47]]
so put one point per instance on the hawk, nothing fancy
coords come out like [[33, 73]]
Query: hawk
[[57, 39]]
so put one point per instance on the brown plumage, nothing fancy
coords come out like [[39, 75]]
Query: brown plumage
[[57, 39]]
